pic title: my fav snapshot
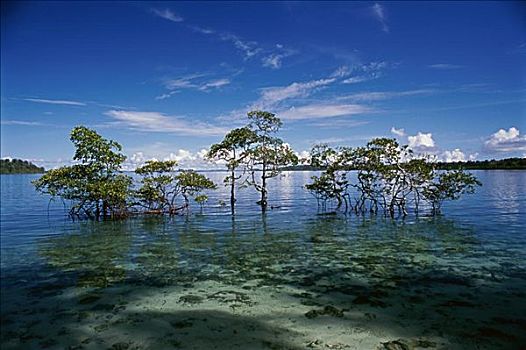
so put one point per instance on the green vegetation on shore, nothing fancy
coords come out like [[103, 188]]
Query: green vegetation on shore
[[19, 166], [493, 164]]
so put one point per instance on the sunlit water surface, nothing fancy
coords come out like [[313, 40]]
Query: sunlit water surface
[[292, 279]]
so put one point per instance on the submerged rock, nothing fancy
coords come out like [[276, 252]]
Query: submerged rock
[[407, 344], [89, 299], [191, 299], [120, 346], [366, 300], [327, 310]]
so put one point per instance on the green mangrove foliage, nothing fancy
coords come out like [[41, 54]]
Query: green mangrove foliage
[[256, 152], [267, 154], [94, 184], [192, 184], [389, 177], [233, 150], [158, 190], [97, 187]]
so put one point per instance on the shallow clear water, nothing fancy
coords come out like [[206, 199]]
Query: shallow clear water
[[292, 279]]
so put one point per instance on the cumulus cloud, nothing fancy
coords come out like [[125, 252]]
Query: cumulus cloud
[[456, 155], [421, 142], [158, 122], [185, 159], [398, 132], [168, 14], [506, 141]]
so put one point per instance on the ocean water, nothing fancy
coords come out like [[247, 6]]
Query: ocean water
[[291, 279]]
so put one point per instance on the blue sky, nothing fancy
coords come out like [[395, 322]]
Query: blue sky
[[169, 79]]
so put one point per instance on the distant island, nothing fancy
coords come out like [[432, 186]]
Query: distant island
[[493, 164], [19, 166]]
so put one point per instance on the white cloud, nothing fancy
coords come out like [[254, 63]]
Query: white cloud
[[55, 102], [158, 122], [168, 14], [214, 84], [319, 111], [338, 123], [506, 141], [358, 79], [271, 96], [202, 30], [385, 95], [399, 132], [380, 14], [20, 122], [192, 81], [341, 72], [275, 59], [421, 142], [249, 48], [364, 72], [457, 155], [444, 66]]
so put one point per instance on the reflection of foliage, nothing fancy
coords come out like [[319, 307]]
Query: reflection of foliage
[[96, 258]]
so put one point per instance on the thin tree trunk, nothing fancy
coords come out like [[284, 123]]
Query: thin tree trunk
[[264, 190], [232, 191]]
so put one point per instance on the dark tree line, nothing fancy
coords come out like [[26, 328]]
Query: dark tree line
[[19, 166]]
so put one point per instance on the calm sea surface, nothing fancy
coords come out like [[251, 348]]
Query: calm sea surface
[[292, 279]]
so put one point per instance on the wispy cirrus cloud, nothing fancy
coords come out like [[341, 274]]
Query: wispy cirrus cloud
[[197, 81], [338, 123], [444, 66], [274, 60], [20, 122], [272, 96], [159, 122], [167, 14], [380, 14], [55, 102], [322, 111], [363, 72], [385, 95], [248, 48]]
